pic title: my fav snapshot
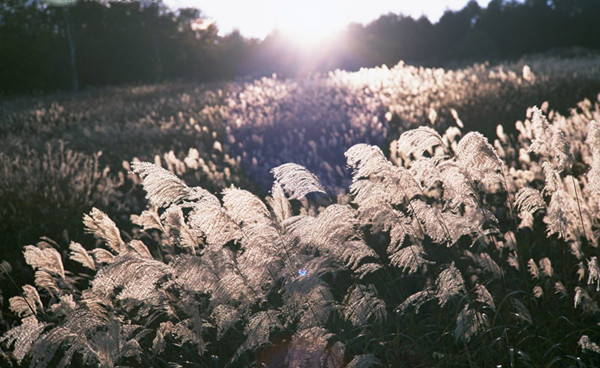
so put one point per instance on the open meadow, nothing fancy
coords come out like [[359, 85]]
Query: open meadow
[[396, 217]]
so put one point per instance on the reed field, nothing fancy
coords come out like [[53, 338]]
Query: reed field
[[395, 216]]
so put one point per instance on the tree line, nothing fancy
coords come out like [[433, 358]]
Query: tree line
[[47, 48]]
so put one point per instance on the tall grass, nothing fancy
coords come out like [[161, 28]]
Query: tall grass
[[437, 249], [455, 253]]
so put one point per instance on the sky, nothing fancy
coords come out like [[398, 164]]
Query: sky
[[310, 18]]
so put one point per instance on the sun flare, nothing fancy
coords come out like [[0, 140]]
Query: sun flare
[[309, 23]]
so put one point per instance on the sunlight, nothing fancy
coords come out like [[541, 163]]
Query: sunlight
[[307, 38], [309, 23], [258, 18]]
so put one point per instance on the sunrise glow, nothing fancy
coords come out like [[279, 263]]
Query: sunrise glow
[[309, 21]]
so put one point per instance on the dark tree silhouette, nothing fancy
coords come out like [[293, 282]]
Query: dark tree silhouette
[[44, 47]]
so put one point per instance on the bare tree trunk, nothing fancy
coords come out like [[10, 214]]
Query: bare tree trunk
[[74, 79], [157, 60]]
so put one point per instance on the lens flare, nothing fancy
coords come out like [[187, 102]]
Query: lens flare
[[309, 24]]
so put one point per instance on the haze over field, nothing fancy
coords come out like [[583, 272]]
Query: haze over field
[[46, 47]]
